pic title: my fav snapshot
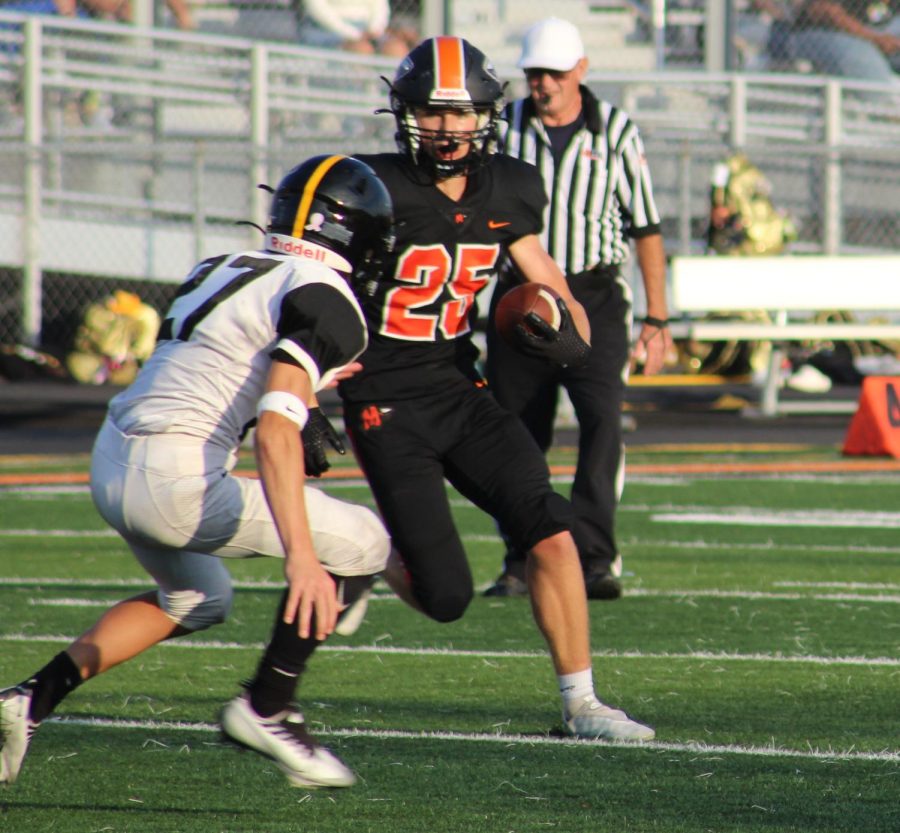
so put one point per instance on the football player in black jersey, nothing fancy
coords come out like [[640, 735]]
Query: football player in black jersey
[[419, 411]]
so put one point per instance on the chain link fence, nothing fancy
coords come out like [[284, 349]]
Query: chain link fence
[[855, 39], [128, 154], [807, 36]]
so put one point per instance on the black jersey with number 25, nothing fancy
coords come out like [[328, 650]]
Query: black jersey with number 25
[[420, 319]]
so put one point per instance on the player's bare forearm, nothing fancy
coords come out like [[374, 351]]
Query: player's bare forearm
[[279, 458]]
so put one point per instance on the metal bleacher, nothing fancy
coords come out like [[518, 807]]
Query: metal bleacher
[[611, 30], [130, 153]]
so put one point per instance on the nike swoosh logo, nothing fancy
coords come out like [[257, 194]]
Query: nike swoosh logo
[[495, 224]]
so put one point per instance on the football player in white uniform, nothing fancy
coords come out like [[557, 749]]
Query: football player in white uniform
[[250, 337]]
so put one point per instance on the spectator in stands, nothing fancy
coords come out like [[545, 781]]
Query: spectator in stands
[[360, 26], [123, 11], [64, 8], [742, 218], [849, 38], [743, 221], [762, 33], [120, 10]]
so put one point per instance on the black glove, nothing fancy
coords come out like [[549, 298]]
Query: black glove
[[315, 434], [563, 346]]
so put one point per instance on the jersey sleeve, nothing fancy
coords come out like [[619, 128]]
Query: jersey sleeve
[[531, 198], [320, 330]]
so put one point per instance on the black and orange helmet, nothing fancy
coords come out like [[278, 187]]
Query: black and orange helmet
[[441, 73]]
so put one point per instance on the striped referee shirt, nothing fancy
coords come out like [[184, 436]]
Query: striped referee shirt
[[599, 195]]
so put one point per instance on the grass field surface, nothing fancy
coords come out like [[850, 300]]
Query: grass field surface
[[758, 634]]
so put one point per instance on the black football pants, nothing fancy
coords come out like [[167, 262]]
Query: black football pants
[[530, 388], [408, 447]]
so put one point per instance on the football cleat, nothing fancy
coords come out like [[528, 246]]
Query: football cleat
[[600, 584], [507, 584], [592, 719], [285, 740], [16, 729], [352, 616]]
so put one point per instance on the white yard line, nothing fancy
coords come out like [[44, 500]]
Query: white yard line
[[508, 740], [797, 518], [59, 533], [480, 538], [767, 546], [846, 585], [633, 592], [701, 656], [751, 594]]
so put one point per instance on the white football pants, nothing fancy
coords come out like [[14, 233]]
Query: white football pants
[[175, 502]]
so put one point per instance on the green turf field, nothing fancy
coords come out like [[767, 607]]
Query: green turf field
[[759, 636]]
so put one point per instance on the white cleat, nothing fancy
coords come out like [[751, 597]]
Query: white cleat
[[352, 616], [285, 740], [592, 719], [16, 729]]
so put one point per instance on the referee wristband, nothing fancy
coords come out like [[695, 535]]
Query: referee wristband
[[659, 323]]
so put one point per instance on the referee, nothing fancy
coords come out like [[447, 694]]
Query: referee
[[600, 197]]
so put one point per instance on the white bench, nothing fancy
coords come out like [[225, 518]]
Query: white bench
[[790, 289]]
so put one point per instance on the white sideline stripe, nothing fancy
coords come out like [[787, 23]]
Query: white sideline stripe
[[855, 520], [847, 585], [59, 533], [660, 513], [532, 740], [633, 592], [851, 479], [690, 508], [758, 594], [703, 656], [477, 538], [766, 546]]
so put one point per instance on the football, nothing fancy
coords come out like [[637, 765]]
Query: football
[[519, 302]]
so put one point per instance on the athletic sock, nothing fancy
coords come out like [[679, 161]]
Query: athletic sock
[[279, 670], [52, 684], [575, 687]]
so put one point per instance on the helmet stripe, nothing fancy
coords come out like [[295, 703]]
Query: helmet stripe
[[449, 64], [309, 191]]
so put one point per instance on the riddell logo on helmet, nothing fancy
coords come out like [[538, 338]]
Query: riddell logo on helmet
[[295, 247], [451, 94], [306, 249]]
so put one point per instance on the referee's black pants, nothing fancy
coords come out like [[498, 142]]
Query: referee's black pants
[[530, 388]]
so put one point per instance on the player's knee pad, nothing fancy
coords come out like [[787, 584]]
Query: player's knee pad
[[374, 542], [197, 610]]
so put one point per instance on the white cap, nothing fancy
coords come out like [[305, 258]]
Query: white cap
[[551, 44]]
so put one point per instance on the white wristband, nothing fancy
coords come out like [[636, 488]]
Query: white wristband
[[286, 404]]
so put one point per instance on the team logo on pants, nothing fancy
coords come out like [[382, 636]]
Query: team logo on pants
[[373, 417]]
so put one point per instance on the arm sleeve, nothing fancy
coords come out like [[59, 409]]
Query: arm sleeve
[[320, 330]]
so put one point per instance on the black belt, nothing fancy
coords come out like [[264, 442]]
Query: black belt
[[598, 275]]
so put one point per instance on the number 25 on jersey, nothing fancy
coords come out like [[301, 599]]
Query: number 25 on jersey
[[438, 291]]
